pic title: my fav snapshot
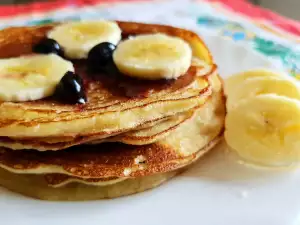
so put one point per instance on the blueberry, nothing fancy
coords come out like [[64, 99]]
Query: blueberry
[[100, 55], [47, 46], [70, 89]]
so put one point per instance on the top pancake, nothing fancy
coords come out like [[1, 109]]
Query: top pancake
[[115, 104]]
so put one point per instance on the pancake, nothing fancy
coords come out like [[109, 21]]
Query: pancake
[[58, 139], [35, 186], [146, 133], [156, 129], [109, 109], [114, 159], [41, 187], [62, 142], [101, 123]]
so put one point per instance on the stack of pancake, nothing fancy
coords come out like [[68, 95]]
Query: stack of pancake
[[131, 135]]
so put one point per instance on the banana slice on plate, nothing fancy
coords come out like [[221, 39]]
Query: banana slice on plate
[[33, 77], [235, 80], [263, 85], [265, 130], [153, 56], [78, 38]]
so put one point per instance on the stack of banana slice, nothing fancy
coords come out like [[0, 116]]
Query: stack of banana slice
[[154, 111], [263, 120]]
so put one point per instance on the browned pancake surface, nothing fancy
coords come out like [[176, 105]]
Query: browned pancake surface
[[111, 161]]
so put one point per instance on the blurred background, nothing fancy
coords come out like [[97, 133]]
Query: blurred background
[[289, 8]]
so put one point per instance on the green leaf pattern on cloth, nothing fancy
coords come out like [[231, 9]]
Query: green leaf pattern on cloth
[[40, 22], [289, 57]]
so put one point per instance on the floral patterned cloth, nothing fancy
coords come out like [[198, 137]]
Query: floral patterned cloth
[[266, 32]]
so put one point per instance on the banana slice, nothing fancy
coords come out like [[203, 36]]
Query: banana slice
[[263, 85], [153, 56], [78, 38], [265, 130], [32, 77], [235, 80]]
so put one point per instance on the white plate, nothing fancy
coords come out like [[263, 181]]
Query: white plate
[[216, 191]]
